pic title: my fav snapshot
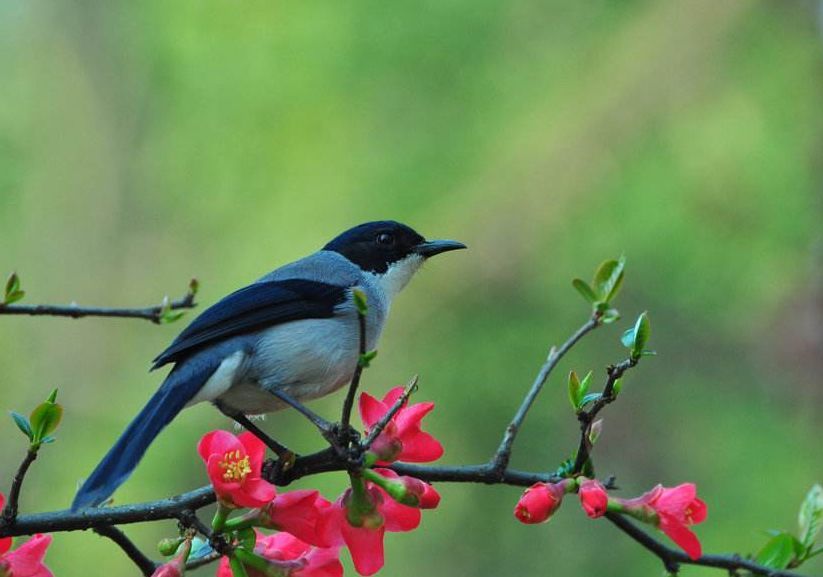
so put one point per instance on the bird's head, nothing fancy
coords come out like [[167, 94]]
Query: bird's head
[[389, 250]]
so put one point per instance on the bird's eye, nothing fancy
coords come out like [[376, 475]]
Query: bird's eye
[[385, 239]]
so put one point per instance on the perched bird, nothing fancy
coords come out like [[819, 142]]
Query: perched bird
[[295, 330]]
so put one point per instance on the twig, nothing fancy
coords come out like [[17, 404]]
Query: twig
[[672, 558], [586, 418], [385, 419], [153, 313], [503, 454], [10, 511], [146, 565], [348, 404]]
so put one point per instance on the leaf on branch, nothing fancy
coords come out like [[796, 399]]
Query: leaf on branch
[[13, 293], [366, 358], [637, 337], [45, 418], [22, 424], [810, 518], [590, 398], [595, 430], [610, 315], [779, 551], [584, 289], [575, 396], [608, 279], [360, 301]]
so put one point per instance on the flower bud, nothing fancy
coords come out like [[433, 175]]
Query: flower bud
[[593, 498], [539, 502]]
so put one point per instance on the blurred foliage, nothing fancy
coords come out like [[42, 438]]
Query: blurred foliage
[[144, 143]]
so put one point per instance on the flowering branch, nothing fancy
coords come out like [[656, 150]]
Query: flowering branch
[[386, 494]]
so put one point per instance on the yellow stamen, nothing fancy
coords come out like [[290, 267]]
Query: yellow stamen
[[235, 468]]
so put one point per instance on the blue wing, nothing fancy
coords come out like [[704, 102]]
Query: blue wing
[[252, 308]]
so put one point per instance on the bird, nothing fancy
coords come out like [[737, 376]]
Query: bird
[[295, 331]]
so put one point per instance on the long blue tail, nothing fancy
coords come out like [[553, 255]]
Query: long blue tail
[[178, 388]]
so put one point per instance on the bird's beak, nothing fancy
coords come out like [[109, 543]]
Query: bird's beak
[[433, 247]]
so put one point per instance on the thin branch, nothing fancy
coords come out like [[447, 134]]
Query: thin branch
[[348, 404], [586, 418], [146, 565], [672, 558], [10, 511], [153, 313], [502, 457], [385, 419]]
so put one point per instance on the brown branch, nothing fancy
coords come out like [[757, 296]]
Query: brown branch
[[153, 313], [146, 565], [501, 458], [10, 510], [673, 558], [586, 418], [348, 403]]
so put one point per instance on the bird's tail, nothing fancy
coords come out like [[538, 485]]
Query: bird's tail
[[179, 387]]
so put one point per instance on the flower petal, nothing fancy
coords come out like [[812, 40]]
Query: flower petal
[[254, 492], [255, 449], [365, 546], [391, 397], [408, 419], [420, 448], [371, 410], [217, 442], [399, 517], [681, 535]]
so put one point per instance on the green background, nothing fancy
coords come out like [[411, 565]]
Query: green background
[[143, 143]]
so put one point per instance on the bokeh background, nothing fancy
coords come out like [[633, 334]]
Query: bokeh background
[[143, 143]]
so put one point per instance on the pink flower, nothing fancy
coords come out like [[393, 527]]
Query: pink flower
[[402, 439], [539, 502], [363, 531], [233, 464], [291, 555], [27, 559], [676, 509], [296, 512], [593, 498]]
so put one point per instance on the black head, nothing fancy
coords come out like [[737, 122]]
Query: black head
[[374, 246]]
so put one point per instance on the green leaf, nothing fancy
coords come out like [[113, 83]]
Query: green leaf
[[610, 315], [13, 297], [810, 517], [642, 330], [590, 398], [360, 301], [247, 538], [595, 430], [44, 419], [586, 383], [617, 387], [636, 337], [169, 316], [584, 289], [778, 551], [608, 278], [12, 283], [575, 395], [366, 358], [200, 548], [22, 424]]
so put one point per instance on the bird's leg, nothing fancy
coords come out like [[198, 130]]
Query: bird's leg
[[322, 424], [284, 454]]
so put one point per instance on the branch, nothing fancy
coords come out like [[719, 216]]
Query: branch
[[348, 404], [10, 511], [153, 313], [146, 565], [586, 418], [672, 558], [503, 455], [384, 420]]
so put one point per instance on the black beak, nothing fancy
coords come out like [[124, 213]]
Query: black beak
[[433, 247]]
